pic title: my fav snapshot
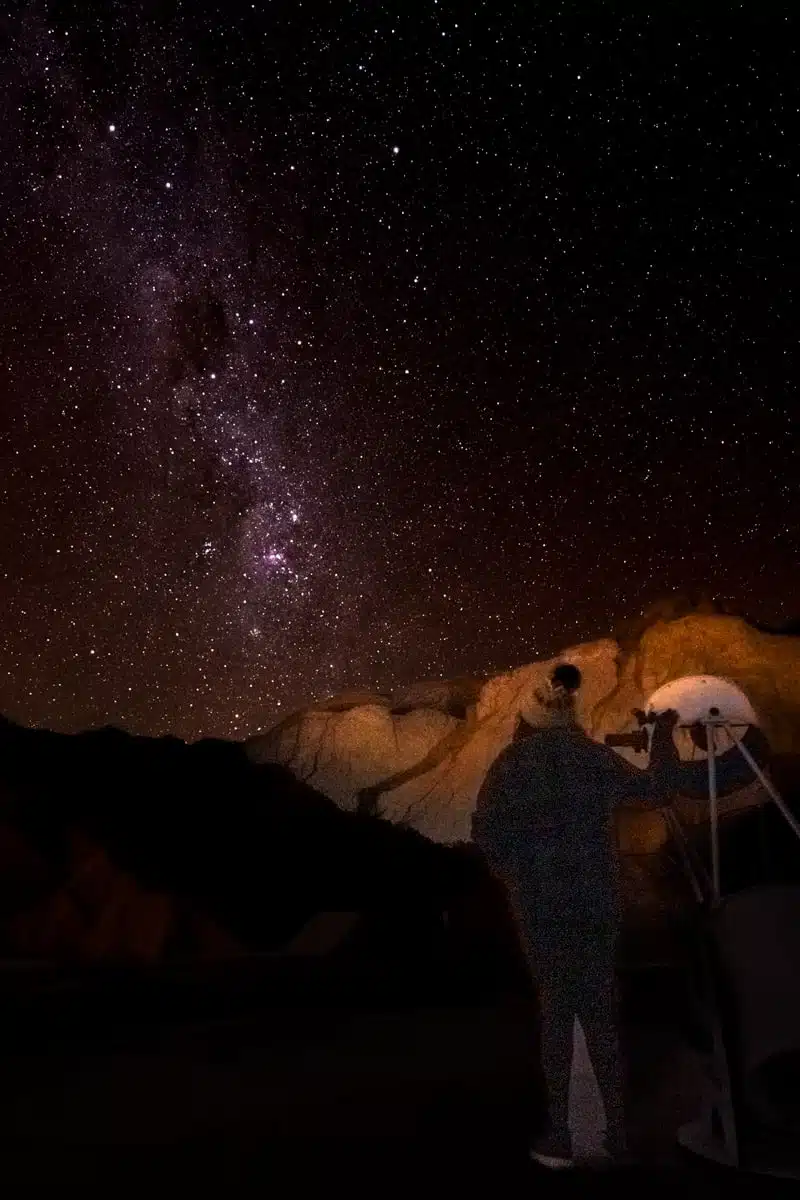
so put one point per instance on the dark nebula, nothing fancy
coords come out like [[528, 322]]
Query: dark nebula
[[346, 345]]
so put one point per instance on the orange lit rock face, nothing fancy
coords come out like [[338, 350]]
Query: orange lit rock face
[[420, 759]]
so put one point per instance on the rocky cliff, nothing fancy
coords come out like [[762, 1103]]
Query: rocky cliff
[[418, 758]]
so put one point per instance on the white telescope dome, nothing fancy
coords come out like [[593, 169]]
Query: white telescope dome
[[695, 696]]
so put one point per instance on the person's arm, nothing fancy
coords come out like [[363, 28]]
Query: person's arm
[[665, 762], [656, 783]]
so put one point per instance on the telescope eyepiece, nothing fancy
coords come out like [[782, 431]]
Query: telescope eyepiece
[[638, 740]]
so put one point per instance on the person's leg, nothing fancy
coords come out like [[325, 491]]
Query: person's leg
[[598, 1015], [552, 967]]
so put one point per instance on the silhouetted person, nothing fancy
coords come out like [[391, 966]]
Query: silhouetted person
[[543, 820]]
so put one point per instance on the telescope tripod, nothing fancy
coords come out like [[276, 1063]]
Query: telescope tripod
[[709, 728], [720, 1133]]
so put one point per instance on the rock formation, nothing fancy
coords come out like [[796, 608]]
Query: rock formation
[[418, 758]]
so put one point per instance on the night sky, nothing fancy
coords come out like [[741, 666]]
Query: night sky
[[350, 344]]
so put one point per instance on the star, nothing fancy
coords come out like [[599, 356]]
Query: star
[[601, 349]]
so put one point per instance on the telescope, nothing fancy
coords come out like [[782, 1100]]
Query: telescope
[[747, 963], [722, 724], [639, 739]]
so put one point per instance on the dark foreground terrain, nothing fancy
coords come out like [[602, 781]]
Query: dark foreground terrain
[[166, 1029], [279, 1078]]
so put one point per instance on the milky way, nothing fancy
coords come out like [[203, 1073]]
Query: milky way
[[341, 351]]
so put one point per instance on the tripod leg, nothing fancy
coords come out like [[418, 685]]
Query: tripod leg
[[713, 812], [769, 788]]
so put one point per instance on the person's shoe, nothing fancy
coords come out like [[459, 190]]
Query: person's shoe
[[552, 1152]]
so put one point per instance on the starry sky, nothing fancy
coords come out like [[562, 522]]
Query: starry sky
[[350, 344]]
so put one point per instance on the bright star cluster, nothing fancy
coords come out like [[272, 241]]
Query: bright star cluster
[[349, 345]]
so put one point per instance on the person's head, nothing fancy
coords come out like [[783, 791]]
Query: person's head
[[566, 676], [558, 699]]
